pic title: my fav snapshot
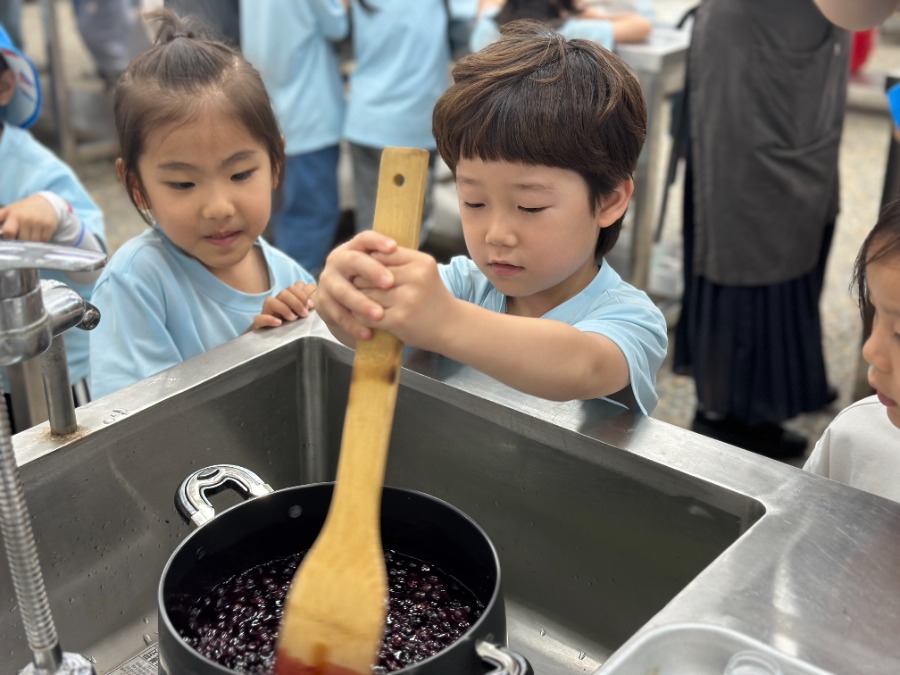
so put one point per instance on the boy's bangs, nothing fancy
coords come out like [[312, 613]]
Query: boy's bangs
[[524, 126]]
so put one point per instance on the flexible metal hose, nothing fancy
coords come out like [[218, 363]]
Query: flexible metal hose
[[21, 552]]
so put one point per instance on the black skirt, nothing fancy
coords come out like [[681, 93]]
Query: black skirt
[[755, 352]]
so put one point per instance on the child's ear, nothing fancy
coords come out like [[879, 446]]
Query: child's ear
[[7, 86], [613, 205], [130, 185]]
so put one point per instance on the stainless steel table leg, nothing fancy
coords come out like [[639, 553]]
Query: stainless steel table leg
[[660, 66], [646, 182], [59, 93]]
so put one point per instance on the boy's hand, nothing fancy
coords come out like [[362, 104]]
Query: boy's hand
[[347, 309], [29, 219], [290, 304], [417, 308]]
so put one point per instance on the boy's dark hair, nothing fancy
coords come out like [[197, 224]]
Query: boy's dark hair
[[174, 80], [534, 97], [882, 242]]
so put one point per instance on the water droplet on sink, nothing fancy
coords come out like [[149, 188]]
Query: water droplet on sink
[[581, 655], [147, 639], [543, 632], [92, 659]]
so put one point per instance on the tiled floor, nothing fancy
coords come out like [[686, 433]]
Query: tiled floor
[[863, 158]]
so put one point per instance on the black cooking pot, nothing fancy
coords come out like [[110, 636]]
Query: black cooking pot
[[279, 524]]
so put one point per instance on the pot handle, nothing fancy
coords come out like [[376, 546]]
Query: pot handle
[[504, 660], [191, 500]]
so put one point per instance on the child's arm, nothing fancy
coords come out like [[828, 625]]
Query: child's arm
[[542, 357], [626, 27], [289, 305], [46, 217], [401, 291]]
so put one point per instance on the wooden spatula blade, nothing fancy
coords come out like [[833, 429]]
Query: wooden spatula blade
[[336, 608]]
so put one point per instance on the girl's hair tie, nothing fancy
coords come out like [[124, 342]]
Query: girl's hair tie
[[180, 34]]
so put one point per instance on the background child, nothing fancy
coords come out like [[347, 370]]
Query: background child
[[401, 55], [570, 17], [543, 180], [861, 447], [292, 46], [201, 155], [41, 199]]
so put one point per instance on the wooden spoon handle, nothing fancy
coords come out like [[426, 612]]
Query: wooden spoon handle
[[337, 604], [376, 365]]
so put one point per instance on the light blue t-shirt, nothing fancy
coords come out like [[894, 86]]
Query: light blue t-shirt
[[161, 307], [27, 167], [290, 44], [486, 30], [402, 56], [608, 306]]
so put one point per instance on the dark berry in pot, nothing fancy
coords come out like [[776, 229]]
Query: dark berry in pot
[[236, 622]]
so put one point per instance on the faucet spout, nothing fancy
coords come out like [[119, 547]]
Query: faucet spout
[[67, 309]]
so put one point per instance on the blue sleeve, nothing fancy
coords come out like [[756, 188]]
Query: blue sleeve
[[331, 15], [463, 10], [640, 332], [458, 278], [645, 8], [484, 32], [131, 341], [596, 30], [285, 270], [62, 181]]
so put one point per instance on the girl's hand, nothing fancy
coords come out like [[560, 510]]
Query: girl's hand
[[29, 219], [290, 304], [347, 310]]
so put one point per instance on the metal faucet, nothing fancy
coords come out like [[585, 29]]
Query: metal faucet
[[32, 313]]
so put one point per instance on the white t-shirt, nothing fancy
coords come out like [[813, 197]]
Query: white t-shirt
[[860, 448]]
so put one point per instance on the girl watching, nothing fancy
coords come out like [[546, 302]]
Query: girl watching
[[201, 153]]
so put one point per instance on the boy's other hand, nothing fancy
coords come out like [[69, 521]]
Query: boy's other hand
[[29, 219], [417, 307], [290, 304], [348, 311]]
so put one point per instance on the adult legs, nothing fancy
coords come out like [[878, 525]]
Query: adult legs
[[755, 352], [307, 213]]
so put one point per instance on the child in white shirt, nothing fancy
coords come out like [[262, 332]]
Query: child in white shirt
[[861, 447]]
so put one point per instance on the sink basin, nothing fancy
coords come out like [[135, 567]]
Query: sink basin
[[609, 525], [696, 649], [578, 525]]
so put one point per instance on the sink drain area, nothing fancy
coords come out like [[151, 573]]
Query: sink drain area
[[144, 663]]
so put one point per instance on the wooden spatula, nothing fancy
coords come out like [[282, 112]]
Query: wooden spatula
[[336, 607]]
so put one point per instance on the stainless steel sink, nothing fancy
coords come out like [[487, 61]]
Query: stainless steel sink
[[697, 649], [605, 522]]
